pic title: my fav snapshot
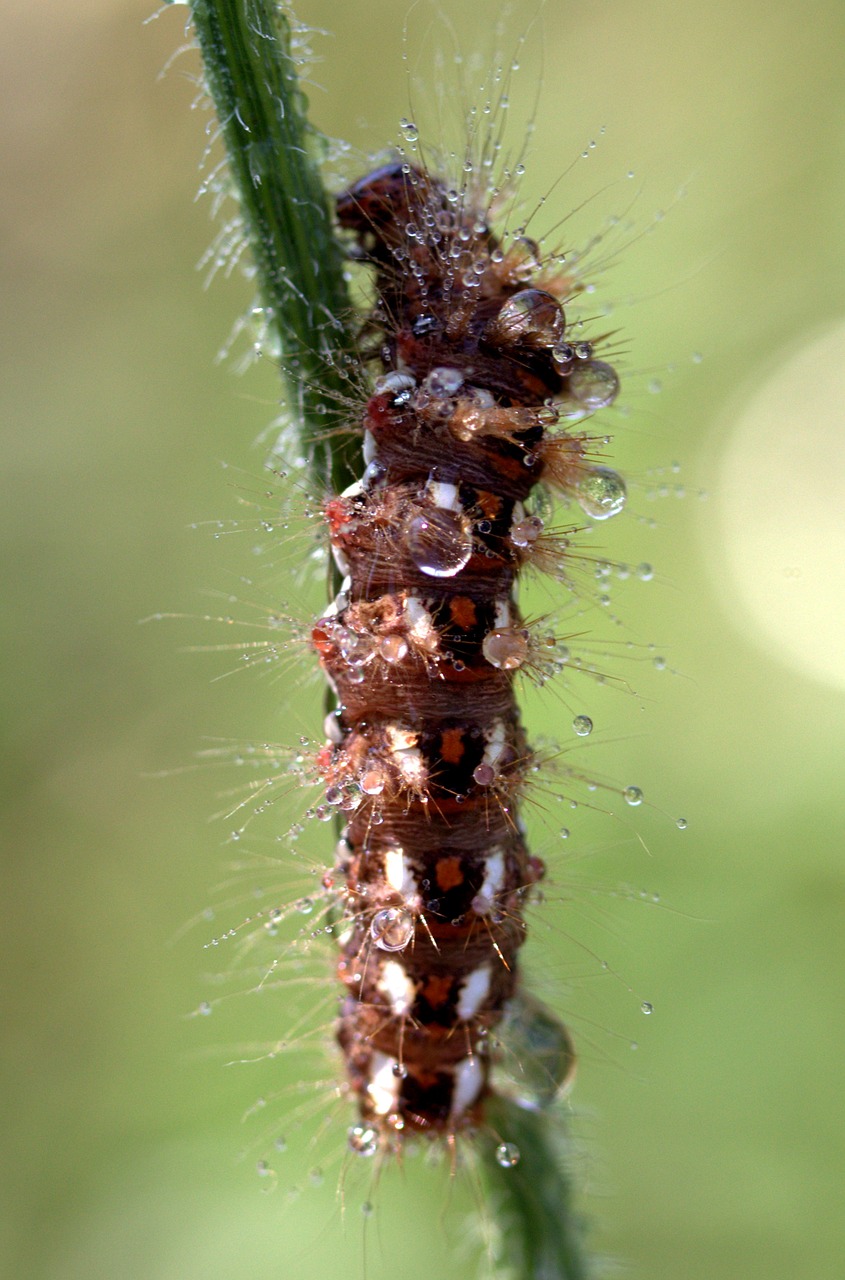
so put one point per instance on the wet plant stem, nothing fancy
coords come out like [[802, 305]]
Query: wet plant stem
[[271, 149]]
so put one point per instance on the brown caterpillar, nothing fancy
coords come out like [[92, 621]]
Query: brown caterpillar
[[422, 644]]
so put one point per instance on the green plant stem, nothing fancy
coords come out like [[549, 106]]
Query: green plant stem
[[271, 149], [539, 1231], [251, 76]]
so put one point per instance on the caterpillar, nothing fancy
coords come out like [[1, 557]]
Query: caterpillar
[[488, 385], [422, 645]]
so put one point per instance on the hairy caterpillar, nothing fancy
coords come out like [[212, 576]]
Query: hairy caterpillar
[[423, 643], [485, 384]]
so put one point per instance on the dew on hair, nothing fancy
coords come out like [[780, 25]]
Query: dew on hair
[[507, 1155], [392, 928], [647, 1007], [601, 493], [363, 1140], [373, 781], [532, 318], [524, 533], [681, 824], [632, 796], [582, 726], [505, 648]]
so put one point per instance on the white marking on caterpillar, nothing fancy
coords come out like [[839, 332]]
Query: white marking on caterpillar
[[399, 876], [494, 875], [397, 986], [469, 1078], [474, 992], [444, 496], [384, 1083]]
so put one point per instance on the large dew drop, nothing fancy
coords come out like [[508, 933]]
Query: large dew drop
[[530, 318], [541, 1059], [505, 648], [601, 493], [593, 384], [439, 542], [392, 928]]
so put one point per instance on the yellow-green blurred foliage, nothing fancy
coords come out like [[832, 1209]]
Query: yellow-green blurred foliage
[[715, 1150]]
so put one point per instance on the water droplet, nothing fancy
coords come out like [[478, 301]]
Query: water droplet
[[563, 358], [392, 928], [507, 1155], [443, 381], [530, 318], [593, 384], [305, 906], [363, 1140], [632, 796], [393, 648], [647, 1007], [524, 533], [681, 824], [505, 648], [583, 726], [204, 1009], [601, 493], [645, 572], [484, 775], [440, 542], [541, 1057], [565, 833], [373, 782]]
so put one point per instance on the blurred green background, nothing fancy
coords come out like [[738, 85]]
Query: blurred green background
[[716, 1150]]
